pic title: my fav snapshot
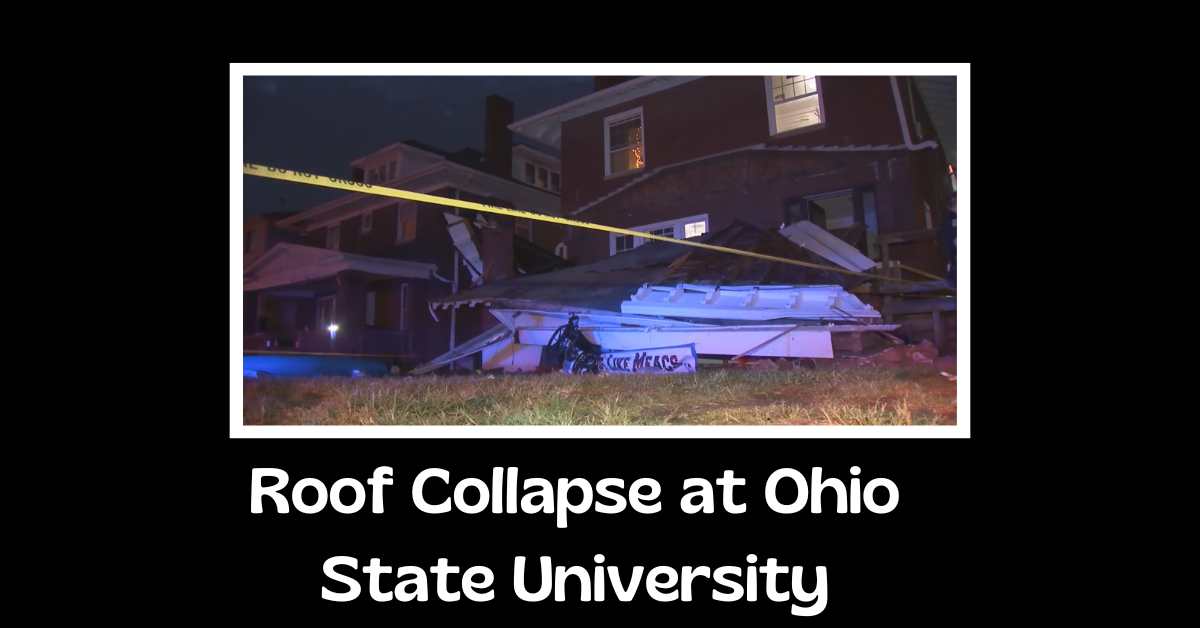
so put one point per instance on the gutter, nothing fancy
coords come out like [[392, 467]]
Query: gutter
[[904, 121]]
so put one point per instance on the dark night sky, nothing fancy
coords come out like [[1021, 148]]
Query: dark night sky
[[319, 124]]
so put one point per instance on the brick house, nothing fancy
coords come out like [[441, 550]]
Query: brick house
[[370, 264], [682, 156]]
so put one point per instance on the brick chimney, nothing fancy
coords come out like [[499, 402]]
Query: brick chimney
[[497, 139]]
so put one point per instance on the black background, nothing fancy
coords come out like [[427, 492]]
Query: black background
[[938, 558]]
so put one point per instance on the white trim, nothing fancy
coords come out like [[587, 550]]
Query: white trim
[[618, 118], [546, 127], [676, 223]]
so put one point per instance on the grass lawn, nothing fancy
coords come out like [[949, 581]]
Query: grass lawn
[[912, 395]]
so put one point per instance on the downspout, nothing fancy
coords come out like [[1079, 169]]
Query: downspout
[[904, 121]]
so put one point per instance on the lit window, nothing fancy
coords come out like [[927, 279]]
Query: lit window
[[368, 221], [333, 237], [687, 227], [624, 143], [795, 102], [406, 224]]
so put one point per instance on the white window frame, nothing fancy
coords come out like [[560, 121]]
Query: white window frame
[[333, 237], [803, 129], [368, 222], [677, 224], [617, 118]]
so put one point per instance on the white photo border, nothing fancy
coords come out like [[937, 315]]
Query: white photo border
[[237, 428]]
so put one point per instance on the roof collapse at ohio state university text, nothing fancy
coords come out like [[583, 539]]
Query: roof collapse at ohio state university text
[[434, 491]]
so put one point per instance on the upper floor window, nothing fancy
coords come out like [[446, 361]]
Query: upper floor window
[[544, 177], [624, 142], [333, 237], [406, 224], [368, 222], [794, 102], [391, 170], [681, 228]]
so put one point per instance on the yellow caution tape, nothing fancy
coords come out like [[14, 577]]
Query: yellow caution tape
[[295, 176]]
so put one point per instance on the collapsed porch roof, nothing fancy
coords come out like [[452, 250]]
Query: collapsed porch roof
[[605, 284], [287, 264]]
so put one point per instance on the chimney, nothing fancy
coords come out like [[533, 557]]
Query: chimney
[[605, 82], [497, 138]]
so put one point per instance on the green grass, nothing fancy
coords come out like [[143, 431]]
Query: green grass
[[849, 396]]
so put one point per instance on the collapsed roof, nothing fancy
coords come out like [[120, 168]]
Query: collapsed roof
[[605, 284]]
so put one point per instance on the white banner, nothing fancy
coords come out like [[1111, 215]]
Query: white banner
[[677, 359]]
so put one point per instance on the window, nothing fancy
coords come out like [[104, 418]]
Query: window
[[850, 214], [524, 228], [529, 172], [370, 313], [695, 229], [561, 250], [333, 237], [794, 102], [665, 231], [368, 222], [406, 224], [689, 227], [391, 170], [554, 182], [623, 243], [542, 180], [624, 143]]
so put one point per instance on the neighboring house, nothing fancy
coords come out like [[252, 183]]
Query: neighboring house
[[261, 232], [370, 264], [682, 156]]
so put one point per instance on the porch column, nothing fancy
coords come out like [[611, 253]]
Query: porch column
[[350, 306]]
